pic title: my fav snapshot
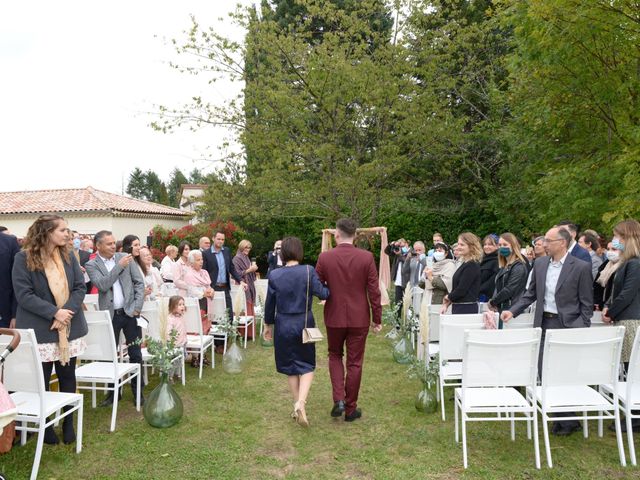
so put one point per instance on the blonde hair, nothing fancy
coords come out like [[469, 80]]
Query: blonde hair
[[242, 245], [513, 242], [629, 232], [171, 249], [475, 247]]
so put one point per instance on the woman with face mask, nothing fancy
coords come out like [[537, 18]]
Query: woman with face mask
[[512, 276], [488, 267], [603, 282], [439, 278]]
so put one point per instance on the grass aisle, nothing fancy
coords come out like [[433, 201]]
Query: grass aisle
[[239, 427]]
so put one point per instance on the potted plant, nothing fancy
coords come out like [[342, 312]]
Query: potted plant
[[233, 358], [427, 372], [390, 318], [163, 408]]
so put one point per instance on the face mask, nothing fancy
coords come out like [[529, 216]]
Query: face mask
[[504, 251], [613, 256], [617, 244], [405, 250], [90, 250], [438, 256], [76, 243]]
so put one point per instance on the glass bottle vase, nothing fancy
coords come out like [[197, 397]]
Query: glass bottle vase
[[426, 400], [403, 350], [163, 408], [233, 359]]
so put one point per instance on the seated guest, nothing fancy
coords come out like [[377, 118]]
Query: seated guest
[[198, 281], [463, 296], [180, 267], [603, 284], [152, 279], [439, 278], [512, 276], [488, 266], [167, 265]]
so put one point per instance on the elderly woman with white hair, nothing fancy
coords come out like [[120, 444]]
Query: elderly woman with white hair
[[198, 284]]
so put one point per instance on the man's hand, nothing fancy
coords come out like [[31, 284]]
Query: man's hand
[[377, 327], [126, 260], [12, 323], [506, 316]]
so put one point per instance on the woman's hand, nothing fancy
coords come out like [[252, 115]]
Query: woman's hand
[[57, 325], [605, 316], [268, 332], [63, 316], [445, 304], [209, 292], [148, 291]]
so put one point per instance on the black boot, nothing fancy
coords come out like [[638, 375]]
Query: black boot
[[50, 436], [68, 434]]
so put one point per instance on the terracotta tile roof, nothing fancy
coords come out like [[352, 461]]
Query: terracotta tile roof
[[79, 200]]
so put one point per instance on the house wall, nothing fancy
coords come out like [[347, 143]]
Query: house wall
[[140, 227]]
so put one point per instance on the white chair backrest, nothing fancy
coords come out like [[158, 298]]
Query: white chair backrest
[[192, 319], [23, 368], [582, 356], [101, 344], [524, 320], [452, 328], [596, 320], [91, 298], [434, 322], [633, 373], [261, 289], [151, 312], [219, 306], [501, 358]]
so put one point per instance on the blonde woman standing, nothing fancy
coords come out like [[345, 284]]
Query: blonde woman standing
[[463, 296]]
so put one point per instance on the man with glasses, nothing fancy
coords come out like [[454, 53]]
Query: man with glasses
[[563, 289]]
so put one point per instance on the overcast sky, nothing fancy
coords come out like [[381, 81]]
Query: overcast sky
[[75, 80]]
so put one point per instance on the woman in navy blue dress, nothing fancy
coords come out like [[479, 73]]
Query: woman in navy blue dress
[[286, 306]]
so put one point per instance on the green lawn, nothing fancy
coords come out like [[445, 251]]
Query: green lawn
[[239, 427]]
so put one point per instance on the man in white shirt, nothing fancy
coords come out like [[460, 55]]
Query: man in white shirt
[[121, 291]]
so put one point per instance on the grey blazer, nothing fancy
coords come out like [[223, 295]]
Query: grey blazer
[[36, 305], [130, 279], [574, 293]]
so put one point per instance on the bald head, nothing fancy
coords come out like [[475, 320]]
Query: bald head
[[204, 243]]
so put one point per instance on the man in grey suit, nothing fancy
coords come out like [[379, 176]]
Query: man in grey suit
[[562, 286], [121, 291]]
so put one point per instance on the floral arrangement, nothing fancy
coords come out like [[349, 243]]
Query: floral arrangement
[[163, 352], [425, 371], [229, 327], [390, 314]]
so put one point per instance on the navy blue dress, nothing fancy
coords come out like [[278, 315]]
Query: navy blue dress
[[285, 307]]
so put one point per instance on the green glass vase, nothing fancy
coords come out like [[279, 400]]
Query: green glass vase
[[233, 359], [426, 401], [392, 335], [403, 351], [163, 408]]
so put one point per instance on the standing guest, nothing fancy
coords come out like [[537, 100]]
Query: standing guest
[[562, 287], [8, 249], [414, 264], [398, 251], [274, 259], [439, 278], [354, 305], [152, 279], [512, 276], [217, 261], [488, 267], [574, 249], [590, 243], [167, 265], [289, 306], [121, 291], [247, 270], [624, 304], [81, 255], [463, 297], [180, 267], [131, 244], [87, 245], [204, 244], [529, 255], [435, 238], [603, 284], [538, 247], [49, 287]]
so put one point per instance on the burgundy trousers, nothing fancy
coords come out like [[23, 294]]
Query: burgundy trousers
[[346, 388]]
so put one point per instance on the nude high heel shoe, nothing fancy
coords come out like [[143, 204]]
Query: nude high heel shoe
[[301, 415]]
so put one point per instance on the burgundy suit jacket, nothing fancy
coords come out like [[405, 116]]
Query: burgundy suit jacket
[[352, 278]]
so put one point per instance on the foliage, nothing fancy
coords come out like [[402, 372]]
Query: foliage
[[163, 352], [425, 371], [161, 236], [228, 326], [176, 180], [390, 314], [148, 185]]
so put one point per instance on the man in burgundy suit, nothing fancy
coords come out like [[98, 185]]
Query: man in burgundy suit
[[350, 273]]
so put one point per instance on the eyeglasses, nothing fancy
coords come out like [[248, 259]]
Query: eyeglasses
[[549, 240]]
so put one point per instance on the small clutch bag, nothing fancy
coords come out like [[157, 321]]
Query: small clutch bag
[[311, 335]]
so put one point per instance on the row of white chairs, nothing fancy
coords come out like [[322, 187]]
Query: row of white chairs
[[486, 366]]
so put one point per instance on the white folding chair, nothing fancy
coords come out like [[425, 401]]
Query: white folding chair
[[573, 360], [628, 395], [245, 320], [24, 377], [217, 316], [103, 366], [262, 286], [151, 313], [488, 381], [197, 342], [524, 320], [452, 329]]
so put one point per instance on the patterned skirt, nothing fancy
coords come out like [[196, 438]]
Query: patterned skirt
[[50, 352], [630, 327]]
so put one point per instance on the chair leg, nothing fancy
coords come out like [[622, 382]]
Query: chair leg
[[184, 371], [213, 355], [39, 443], [93, 395], [442, 400], [547, 447], [464, 440], [23, 434], [529, 416], [253, 330], [585, 425], [536, 442], [632, 448], [455, 419], [79, 421], [616, 414], [201, 362], [138, 390], [114, 409], [600, 430], [513, 427]]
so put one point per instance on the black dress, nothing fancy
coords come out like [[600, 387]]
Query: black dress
[[286, 308]]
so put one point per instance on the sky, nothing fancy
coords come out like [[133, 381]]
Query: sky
[[78, 84]]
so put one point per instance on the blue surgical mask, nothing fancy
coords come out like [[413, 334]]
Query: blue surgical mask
[[438, 256], [504, 251], [613, 256], [90, 250], [405, 250], [76, 243], [617, 244]]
